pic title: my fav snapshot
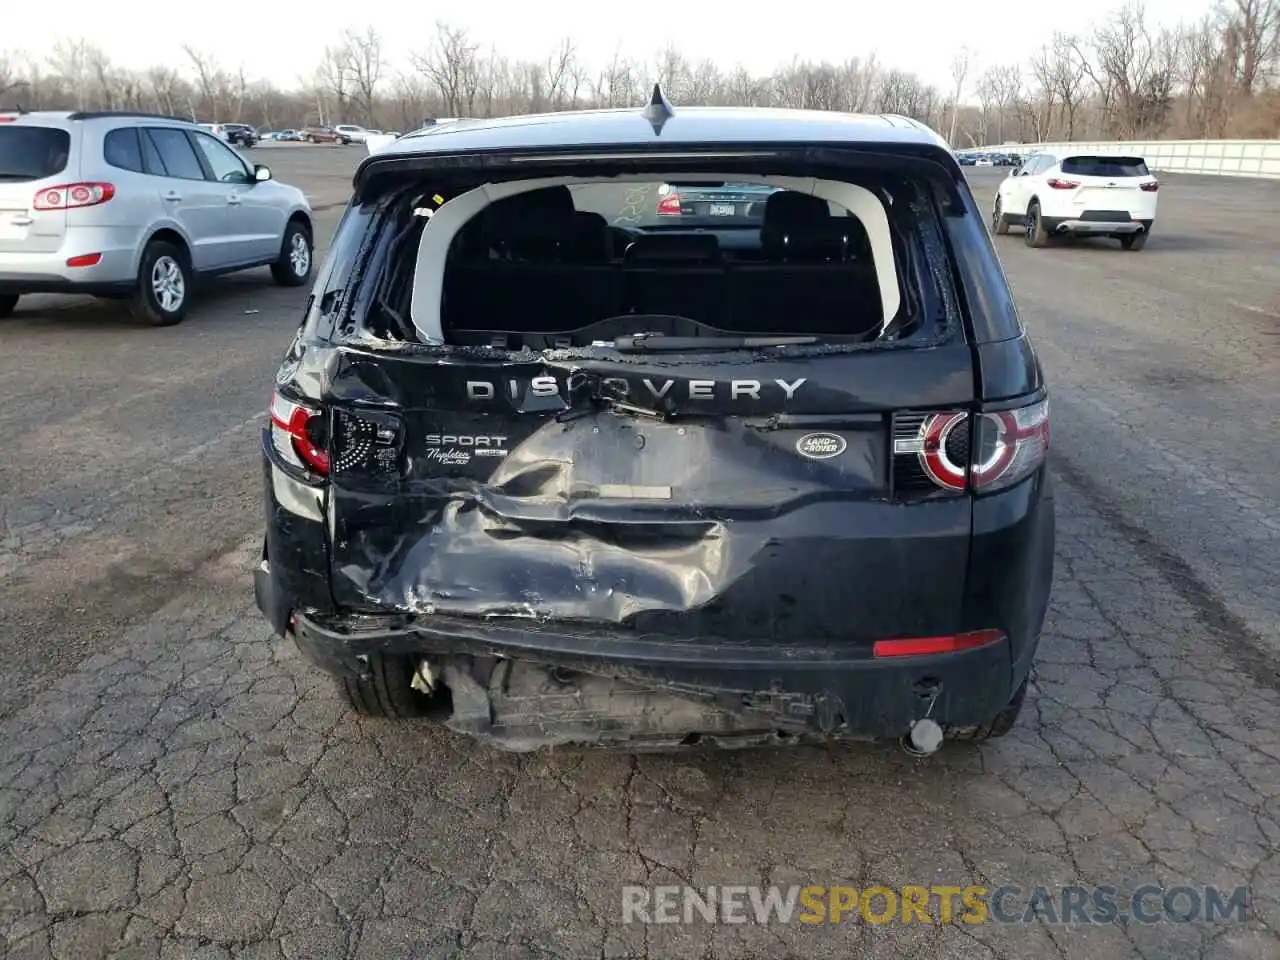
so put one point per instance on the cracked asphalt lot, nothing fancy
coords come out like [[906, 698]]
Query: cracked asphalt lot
[[175, 783]]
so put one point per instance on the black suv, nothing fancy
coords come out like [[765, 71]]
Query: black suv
[[240, 134], [558, 472]]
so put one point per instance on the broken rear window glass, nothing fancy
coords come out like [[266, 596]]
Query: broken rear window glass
[[576, 263]]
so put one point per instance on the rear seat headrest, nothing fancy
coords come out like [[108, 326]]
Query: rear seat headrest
[[681, 248], [800, 224], [788, 209], [537, 215]]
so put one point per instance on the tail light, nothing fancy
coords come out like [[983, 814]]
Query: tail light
[[948, 451], [1150, 187], [299, 435], [71, 196], [669, 206], [1059, 184]]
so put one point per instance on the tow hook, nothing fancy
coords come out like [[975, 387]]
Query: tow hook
[[925, 736]]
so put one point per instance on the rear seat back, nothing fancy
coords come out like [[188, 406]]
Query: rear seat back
[[540, 265], [817, 275], [681, 274]]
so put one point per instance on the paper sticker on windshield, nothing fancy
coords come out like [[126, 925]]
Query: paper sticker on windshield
[[821, 446]]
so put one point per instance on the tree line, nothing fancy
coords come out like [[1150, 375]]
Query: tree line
[[1122, 78]]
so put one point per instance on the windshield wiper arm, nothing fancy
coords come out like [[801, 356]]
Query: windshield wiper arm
[[657, 342]]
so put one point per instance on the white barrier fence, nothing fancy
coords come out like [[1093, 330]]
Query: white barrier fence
[[1221, 158]]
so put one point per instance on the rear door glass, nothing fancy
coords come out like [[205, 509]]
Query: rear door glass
[[32, 153], [1105, 166], [175, 149]]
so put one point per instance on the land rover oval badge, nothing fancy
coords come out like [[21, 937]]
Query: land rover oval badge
[[821, 446]]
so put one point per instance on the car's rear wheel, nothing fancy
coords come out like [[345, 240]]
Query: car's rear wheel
[[164, 285], [1134, 241], [1037, 235], [387, 690], [998, 725], [7, 303], [293, 269], [998, 225]]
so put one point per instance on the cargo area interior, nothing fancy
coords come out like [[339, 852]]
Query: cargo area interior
[[537, 270]]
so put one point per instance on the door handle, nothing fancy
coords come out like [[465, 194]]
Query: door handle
[[233, 200], [173, 195]]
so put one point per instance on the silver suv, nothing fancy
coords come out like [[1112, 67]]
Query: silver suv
[[137, 206]]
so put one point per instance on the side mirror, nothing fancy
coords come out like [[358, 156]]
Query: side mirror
[[261, 174], [1015, 171]]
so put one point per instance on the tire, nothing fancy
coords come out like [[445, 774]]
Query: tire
[[293, 269], [149, 303], [1134, 241], [7, 302], [387, 691], [998, 725], [1036, 235], [998, 225]]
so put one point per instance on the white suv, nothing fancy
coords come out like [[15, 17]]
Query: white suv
[[1069, 194], [137, 206]]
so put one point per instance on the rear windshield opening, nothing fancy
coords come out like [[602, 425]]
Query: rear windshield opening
[[570, 265], [1106, 166], [32, 153]]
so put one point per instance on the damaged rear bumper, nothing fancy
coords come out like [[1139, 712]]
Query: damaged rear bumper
[[526, 683]]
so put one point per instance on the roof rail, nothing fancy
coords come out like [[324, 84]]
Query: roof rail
[[123, 114]]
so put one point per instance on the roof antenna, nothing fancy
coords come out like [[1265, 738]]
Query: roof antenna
[[659, 110]]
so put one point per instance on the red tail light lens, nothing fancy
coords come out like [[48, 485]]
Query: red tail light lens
[[1150, 187], [298, 435], [937, 457], [669, 206], [925, 646], [71, 196], [1060, 184], [1009, 446], [993, 450]]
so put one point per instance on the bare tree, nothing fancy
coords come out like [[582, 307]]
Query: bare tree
[[1066, 81], [101, 77], [365, 65], [745, 89], [333, 83], [70, 61], [671, 69], [208, 80], [618, 85], [1253, 27], [564, 76], [450, 65], [11, 79], [166, 89], [1037, 109], [1122, 78], [959, 73]]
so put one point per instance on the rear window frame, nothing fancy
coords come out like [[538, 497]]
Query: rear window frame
[[33, 130], [923, 268]]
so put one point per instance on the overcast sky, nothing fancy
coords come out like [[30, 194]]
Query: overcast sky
[[280, 41]]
